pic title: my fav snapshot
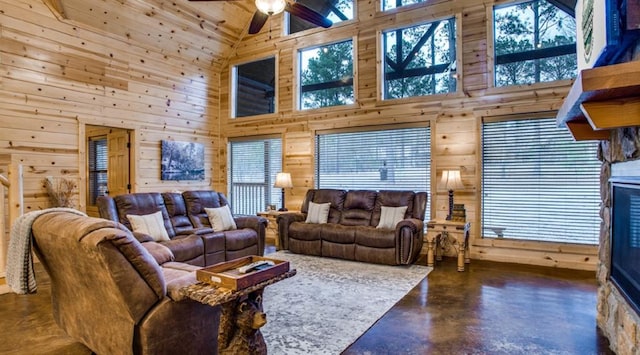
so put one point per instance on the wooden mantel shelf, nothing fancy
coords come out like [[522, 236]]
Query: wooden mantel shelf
[[602, 99]]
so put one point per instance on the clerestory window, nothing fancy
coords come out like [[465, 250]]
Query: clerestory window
[[326, 75], [335, 10], [420, 60], [392, 4], [534, 41], [254, 88]]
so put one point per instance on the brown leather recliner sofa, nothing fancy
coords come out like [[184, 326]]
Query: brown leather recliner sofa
[[191, 237], [117, 295], [351, 233]]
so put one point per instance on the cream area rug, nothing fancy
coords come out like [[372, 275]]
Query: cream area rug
[[330, 302]]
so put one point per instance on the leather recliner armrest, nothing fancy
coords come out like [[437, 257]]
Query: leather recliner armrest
[[196, 231], [284, 220], [410, 235]]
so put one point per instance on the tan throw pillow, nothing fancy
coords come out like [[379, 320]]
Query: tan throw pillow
[[150, 224], [221, 218], [390, 216], [318, 212]]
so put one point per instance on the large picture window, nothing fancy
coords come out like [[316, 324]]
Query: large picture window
[[326, 75], [253, 166], [538, 183], [394, 159], [335, 10], [254, 90], [420, 60], [534, 42]]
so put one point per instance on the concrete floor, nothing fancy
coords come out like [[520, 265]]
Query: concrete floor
[[492, 308]]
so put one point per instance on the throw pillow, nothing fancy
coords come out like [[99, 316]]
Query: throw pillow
[[390, 216], [221, 218], [318, 212], [150, 224]]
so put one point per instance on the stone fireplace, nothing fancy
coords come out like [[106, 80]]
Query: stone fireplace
[[617, 317]]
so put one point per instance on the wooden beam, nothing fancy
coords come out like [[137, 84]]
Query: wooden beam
[[612, 114], [582, 131], [611, 82]]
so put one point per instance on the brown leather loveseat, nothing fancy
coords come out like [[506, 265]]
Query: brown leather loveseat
[[353, 229], [191, 237]]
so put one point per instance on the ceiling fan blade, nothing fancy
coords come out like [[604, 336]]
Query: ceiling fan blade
[[258, 20], [308, 14]]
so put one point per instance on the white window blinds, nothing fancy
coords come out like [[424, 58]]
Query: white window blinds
[[394, 159], [98, 164], [538, 184], [253, 166]]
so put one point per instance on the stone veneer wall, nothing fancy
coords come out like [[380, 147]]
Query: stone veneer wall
[[618, 321]]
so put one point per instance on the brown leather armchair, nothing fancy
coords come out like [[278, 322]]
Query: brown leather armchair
[[112, 294]]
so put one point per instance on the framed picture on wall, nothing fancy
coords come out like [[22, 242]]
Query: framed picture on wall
[[182, 161]]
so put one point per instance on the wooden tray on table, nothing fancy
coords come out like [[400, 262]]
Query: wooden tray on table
[[228, 275]]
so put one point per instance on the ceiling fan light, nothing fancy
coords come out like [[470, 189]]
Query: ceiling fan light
[[271, 7]]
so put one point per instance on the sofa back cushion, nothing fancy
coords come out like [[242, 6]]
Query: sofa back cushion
[[177, 211], [140, 204], [358, 208], [335, 197], [197, 201]]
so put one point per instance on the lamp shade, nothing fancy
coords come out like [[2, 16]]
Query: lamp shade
[[283, 180], [271, 7], [451, 180]]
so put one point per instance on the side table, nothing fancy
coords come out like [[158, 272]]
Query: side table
[[457, 233], [272, 228]]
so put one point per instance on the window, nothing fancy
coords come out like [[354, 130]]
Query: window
[[253, 168], [254, 90], [420, 60], [394, 159], [538, 184], [534, 41], [326, 75], [334, 10], [98, 162], [392, 4]]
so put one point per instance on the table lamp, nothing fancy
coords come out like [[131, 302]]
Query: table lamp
[[451, 181], [283, 181]]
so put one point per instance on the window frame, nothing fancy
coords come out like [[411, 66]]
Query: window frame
[[492, 242], [381, 55], [269, 183], [297, 55], [233, 86], [427, 124], [492, 88], [286, 23]]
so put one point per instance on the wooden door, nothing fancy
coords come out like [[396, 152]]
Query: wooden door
[[118, 171]]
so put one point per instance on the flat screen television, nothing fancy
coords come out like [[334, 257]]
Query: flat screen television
[[625, 240]]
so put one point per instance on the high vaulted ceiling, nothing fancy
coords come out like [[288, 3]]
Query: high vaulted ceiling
[[199, 30]]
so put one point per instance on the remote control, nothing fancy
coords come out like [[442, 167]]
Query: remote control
[[250, 267]]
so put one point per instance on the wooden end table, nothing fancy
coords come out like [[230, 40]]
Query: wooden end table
[[457, 233], [272, 228]]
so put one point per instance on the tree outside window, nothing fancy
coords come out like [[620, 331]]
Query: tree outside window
[[534, 42], [326, 75], [420, 60]]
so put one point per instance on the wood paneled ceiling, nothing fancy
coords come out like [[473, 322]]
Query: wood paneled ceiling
[[200, 30]]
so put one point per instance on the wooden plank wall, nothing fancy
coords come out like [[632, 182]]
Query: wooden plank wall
[[455, 118], [59, 76]]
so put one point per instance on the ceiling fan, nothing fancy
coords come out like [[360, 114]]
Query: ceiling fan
[[267, 8]]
